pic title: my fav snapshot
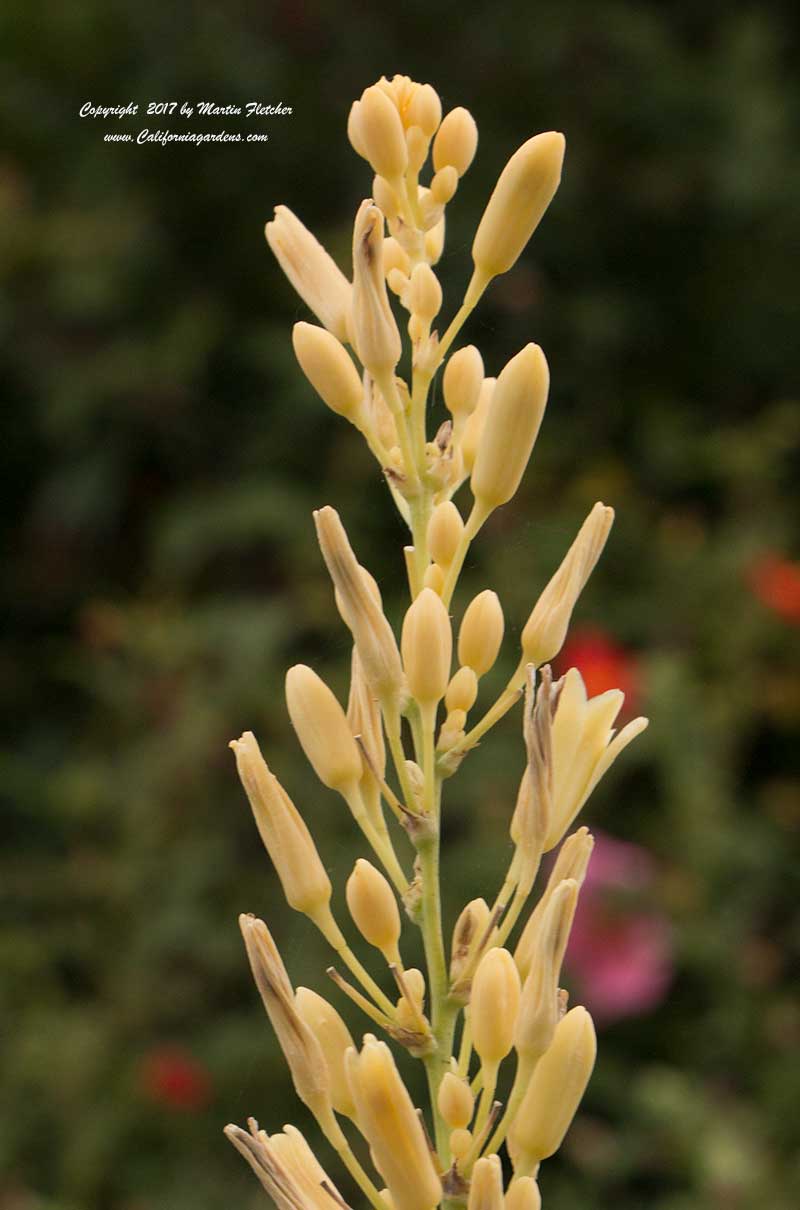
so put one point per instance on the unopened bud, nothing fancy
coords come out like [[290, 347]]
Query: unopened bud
[[373, 906], [322, 729], [523, 1194], [314, 274], [462, 690], [379, 133], [554, 1093], [571, 863], [546, 628], [456, 141], [328, 367], [462, 381], [434, 578], [460, 1143], [375, 333], [522, 194], [286, 838], [425, 109], [539, 1012], [444, 185], [395, 257], [455, 1101], [385, 198], [476, 422], [481, 632], [365, 721], [334, 1039], [469, 932], [434, 242], [486, 1184], [408, 1014], [511, 427], [494, 1005], [444, 532], [424, 292], [427, 647]]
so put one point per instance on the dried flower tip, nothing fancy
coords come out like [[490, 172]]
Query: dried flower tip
[[385, 198], [494, 1005], [377, 133], [374, 908], [486, 1186], [409, 1013], [424, 293], [375, 333], [481, 632], [322, 729], [395, 257], [286, 838], [455, 1101], [294, 1151], [456, 141], [285, 1177], [365, 721], [523, 1194], [511, 427], [462, 381], [555, 1090], [425, 110], [434, 578], [427, 647], [539, 1011], [334, 1039], [314, 274], [389, 1123], [571, 863], [546, 628], [434, 242], [523, 192], [469, 931], [328, 367], [462, 690], [377, 647], [444, 185], [298, 1043], [476, 422], [444, 532]]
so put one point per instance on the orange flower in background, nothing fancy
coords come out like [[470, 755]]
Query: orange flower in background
[[172, 1077], [603, 663], [775, 582]]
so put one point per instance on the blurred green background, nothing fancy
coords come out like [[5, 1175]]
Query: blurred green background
[[162, 455]]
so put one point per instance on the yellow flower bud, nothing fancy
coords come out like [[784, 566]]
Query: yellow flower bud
[[377, 647], [444, 532], [375, 333], [475, 424], [408, 1014], [481, 632], [328, 367], [460, 1143], [385, 198], [314, 274], [486, 1185], [573, 858], [444, 185], [395, 257], [469, 932], [299, 1045], [555, 1090], [511, 427], [397, 281], [424, 292], [462, 381], [523, 192], [322, 729], [364, 720], [374, 909], [455, 1101], [417, 143], [286, 838], [427, 647], [539, 1012], [462, 690], [434, 578], [379, 132], [334, 1039], [425, 109], [456, 141], [494, 1005], [434, 242], [546, 628], [388, 1121], [523, 1194]]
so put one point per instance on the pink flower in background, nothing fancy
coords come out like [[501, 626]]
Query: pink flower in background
[[603, 663], [775, 582], [620, 952], [174, 1078]]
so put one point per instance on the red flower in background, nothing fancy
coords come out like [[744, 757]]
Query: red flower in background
[[775, 582], [174, 1078], [620, 952], [603, 663]]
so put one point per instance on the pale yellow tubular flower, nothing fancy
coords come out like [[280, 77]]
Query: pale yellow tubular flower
[[486, 1185], [554, 1093], [462, 690], [523, 192], [301, 1049], [444, 532], [425, 110], [494, 1005], [375, 333], [385, 198], [388, 1121], [292, 1148], [379, 133], [523, 1194], [409, 1010], [571, 863], [469, 931], [472, 434], [461, 383], [455, 1101], [275, 1178], [328, 367], [584, 747], [460, 1143], [417, 144], [511, 428], [481, 632], [314, 274], [365, 721], [539, 1011], [424, 293], [334, 1039], [434, 578], [434, 242], [546, 628], [456, 141], [373, 636], [322, 729], [395, 257], [286, 838], [374, 910], [444, 185], [427, 647]]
